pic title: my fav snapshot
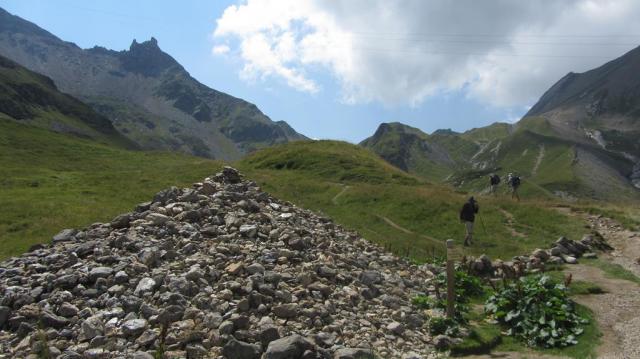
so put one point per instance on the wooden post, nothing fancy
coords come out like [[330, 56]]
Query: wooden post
[[451, 291]]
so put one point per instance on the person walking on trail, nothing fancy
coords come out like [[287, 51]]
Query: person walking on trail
[[494, 181], [514, 183], [468, 216]]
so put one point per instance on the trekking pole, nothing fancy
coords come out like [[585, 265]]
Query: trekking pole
[[482, 222]]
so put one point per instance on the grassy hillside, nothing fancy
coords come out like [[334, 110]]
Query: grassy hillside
[[388, 206], [51, 181], [550, 165]]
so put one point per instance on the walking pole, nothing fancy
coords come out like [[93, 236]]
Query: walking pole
[[482, 222]]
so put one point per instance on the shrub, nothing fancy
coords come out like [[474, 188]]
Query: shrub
[[537, 311]]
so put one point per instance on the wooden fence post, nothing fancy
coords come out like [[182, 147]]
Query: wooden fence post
[[451, 291]]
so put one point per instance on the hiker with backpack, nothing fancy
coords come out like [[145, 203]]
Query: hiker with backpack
[[468, 216], [494, 181], [514, 183]]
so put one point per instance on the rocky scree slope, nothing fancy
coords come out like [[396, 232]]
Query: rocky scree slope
[[148, 96], [217, 270]]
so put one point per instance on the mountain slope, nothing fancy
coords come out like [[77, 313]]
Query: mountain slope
[[28, 97], [414, 151], [148, 96], [579, 141], [359, 190]]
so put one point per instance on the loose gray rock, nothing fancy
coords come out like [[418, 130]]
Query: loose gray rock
[[145, 285], [235, 349], [92, 327], [134, 327], [65, 235], [220, 268], [354, 353], [289, 347]]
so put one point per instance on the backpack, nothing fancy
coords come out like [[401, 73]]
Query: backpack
[[515, 182], [495, 179]]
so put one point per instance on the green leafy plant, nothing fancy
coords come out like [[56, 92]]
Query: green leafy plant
[[537, 311], [423, 302], [466, 285]]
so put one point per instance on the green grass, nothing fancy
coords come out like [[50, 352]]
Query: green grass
[[613, 270], [576, 287], [50, 181], [311, 174]]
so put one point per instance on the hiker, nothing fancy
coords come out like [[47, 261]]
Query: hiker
[[514, 183], [494, 181], [468, 216]]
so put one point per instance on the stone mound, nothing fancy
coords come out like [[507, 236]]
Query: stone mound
[[219, 270]]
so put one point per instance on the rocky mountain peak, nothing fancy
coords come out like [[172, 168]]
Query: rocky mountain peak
[[146, 58], [220, 269], [151, 44]]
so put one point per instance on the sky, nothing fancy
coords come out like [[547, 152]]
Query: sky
[[337, 69]]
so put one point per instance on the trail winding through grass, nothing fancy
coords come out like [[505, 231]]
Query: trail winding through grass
[[334, 200]]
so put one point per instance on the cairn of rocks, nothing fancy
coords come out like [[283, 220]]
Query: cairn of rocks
[[219, 270]]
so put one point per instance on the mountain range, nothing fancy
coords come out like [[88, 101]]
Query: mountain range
[[579, 140], [145, 93]]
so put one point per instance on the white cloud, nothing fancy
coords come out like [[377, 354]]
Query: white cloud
[[501, 52], [221, 49]]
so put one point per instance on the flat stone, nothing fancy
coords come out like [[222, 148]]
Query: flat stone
[[289, 347], [99, 272], [235, 349], [235, 268], [65, 235], [134, 327]]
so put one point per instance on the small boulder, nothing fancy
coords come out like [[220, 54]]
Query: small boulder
[[134, 327], [289, 347], [65, 235], [235, 349]]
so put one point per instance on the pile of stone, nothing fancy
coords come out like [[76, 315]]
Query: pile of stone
[[220, 270], [563, 251]]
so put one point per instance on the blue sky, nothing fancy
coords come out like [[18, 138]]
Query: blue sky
[[443, 87]]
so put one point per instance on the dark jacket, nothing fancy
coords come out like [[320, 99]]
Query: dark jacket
[[468, 212], [495, 179]]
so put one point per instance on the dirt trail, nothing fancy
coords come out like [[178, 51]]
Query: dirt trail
[[510, 223], [617, 310], [334, 200], [402, 229]]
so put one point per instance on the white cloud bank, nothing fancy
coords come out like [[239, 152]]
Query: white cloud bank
[[500, 52]]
